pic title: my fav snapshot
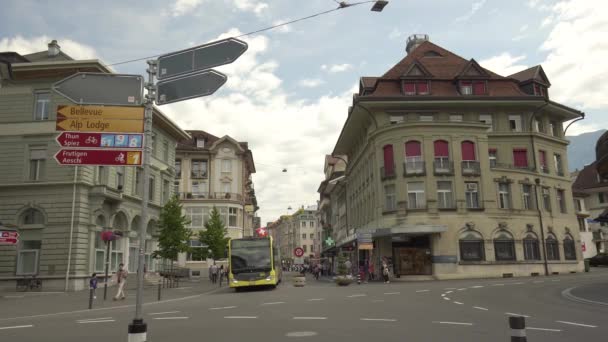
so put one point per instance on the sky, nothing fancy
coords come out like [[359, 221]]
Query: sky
[[288, 95]]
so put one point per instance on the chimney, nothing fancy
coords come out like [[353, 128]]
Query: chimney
[[414, 41], [54, 48]]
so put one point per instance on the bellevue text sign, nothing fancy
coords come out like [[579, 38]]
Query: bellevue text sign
[[100, 119], [99, 157]]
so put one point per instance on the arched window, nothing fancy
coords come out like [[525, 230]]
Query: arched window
[[504, 246], [468, 150], [552, 247], [389, 162], [442, 156], [471, 246], [569, 248], [531, 247], [32, 216]]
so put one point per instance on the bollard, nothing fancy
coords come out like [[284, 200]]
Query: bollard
[[159, 285], [518, 328], [91, 293]]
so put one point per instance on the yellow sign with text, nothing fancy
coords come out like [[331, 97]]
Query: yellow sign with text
[[100, 112], [100, 125]]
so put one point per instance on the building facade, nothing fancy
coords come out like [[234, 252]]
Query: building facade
[[215, 172], [454, 171], [591, 196], [300, 229], [54, 207]]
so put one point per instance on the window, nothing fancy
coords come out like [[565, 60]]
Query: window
[[569, 248], [101, 175], [471, 246], [416, 88], [555, 129], [197, 251], [165, 150], [232, 217], [151, 188], [504, 246], [304, 248], [415, 195], [312, 248], [561, 201], [444, 195], [546, 199], [487, 119], [312, 236], [442, 154], [557, 159], [578, 204], [200, 142], [396, 119], [504, 201], [37, 163], [531, 247], [226, 187], [466, 88], [472, 194], [312, 224], [581, 224], [539, 90], [303, 224], [178, 168], [32, 216], [456, 117], [154, 144], [515, 123], [413, 156], [198, 188], [28, 257], [528, 200], [139, 186], [116, 254], [552, 248], [600, 197], [492, 153], [520, 158], [100, 253], [195, 216], [176, 187], [120, 178], [389, 163], [543, 161], [42, 105], [468, 150], [226, 165], [389, 198], [538, 126], [199, 168], [425, 118], [165, 193], [304, 236]]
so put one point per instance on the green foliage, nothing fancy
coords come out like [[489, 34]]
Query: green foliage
[[342, 265], [214, 235], [173, 235]]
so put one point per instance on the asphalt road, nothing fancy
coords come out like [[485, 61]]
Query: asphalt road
[[467, 310]]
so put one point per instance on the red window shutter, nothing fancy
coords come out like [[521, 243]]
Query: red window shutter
[[479, 88], [468, 150], [465, 83], [423, 87], [441, 148], [409, 88], [388, 159], [492, 150], [536, 89], [413, 149], [520, 158], [543, 158]]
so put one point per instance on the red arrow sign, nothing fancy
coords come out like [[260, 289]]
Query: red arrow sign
[[100, 140], [99, 157]]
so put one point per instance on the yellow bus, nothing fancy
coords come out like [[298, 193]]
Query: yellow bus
[[253, 262]]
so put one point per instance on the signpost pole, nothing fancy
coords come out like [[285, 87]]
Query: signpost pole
[[138, 328]]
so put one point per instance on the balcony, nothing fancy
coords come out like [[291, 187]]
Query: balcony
[[512, 167], [109, 194], [443, 166], [471, 168], [198, 175], [388, 173], [560, 173], [414, 168], [211, 195], [544, 169]]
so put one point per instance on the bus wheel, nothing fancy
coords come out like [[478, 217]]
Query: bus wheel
[[237, 289]]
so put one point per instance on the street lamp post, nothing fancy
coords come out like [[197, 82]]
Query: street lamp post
[[542, 229]]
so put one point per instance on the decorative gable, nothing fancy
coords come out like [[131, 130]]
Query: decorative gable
[[473, 70], [416, 71]]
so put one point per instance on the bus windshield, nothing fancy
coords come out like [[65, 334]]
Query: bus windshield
[[250, 256]]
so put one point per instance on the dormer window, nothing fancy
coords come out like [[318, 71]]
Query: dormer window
[[200, 143], [473, 87], [416, 88], [539, 90]]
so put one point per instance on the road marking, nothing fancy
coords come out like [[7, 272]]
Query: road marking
[[462, 289], [273, 303], [377, 300], [543, 329], [392, 293], [538, 281], [443, 295], [556, 280], [568, 294], [454, 323], [446, 298], [223, 307], [520, 283], [578, 324], [449, 291], [162, 313], [477, 286], [94, 319], [450, 288], [422, 291], [241, 317], [301, 334], [357, 295], [316, 299], [184, 288], [498, 284], [480, 308], [100, 321], [16, 327], [379, 319], [14, 296], [164, 318], [459, 303], [515, 314], [314, 318]]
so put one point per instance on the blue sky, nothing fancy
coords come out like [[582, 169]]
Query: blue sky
[[289, 93]]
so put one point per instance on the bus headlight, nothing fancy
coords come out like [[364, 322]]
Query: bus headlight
[[269, 278], [234, 281]]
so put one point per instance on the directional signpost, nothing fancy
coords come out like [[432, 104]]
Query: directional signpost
[[100, 119], [103, 89], [9, 237], [99, 157], [189, 86], [99, 140]]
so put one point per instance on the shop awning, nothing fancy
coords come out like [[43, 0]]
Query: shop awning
[[411, 229]]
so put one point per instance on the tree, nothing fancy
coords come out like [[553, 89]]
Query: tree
[[214, 235], [173, 235]]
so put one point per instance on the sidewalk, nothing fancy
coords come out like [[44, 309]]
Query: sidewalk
[[18, 304]]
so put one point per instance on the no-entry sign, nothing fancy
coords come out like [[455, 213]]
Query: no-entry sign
[[298, 252]]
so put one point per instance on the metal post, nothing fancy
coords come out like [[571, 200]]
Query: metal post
[[67, 271], [542, 229], [518, 328], [159, 285], [138, 329], [91, 291], [105, 283]]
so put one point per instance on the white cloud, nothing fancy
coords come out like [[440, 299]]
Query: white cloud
[[36, 44], [336, 67], [476, 6], [251, 5], [519, 37], [396, 34], [504, 64], [284, 28], [181, 7], [523, 28], [310, 82]]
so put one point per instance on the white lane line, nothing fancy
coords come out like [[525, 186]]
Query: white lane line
[[515, 314], [578, 324], [449, 291], [422, 291], [446, 298], [498, 284], [162, 313], [480, 308], [543, 329], [316, 299], [240, 317], [273, 303], [462, 289], [459, 303], [477, 286], [17, 327], [357, 295], [377, 300], [101, 321], [93, 319], [379, 319], [538, 281], [310, 318], [450, 288], [519, 283], [167, 318], [454, 323], [184, 288], [301, 334], [443, 295], [392, 293], [555, 280], [223, 307], [14, 296]]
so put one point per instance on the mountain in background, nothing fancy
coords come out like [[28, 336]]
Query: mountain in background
[[581, 150]]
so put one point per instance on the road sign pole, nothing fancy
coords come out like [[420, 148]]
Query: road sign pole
[[138, 328]]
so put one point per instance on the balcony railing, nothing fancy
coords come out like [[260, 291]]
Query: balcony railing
[[387, 173], [512, 167], [560, 173], [544, 169], [211, 195], [414, 168], [471, 168], [442, 166], [200, 174]]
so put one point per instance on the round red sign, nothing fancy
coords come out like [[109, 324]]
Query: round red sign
[[298, 252]]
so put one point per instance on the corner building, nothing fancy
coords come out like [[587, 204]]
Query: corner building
[[457, 172]]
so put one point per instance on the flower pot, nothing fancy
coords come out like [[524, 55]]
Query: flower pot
[[299, 281], [343, 281]]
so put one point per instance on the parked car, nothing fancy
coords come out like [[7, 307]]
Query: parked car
[[599, 260]]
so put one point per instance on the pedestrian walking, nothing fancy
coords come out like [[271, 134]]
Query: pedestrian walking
[[385, 273], [221, 274], [349, 266], [214, 270], [371, 271], [93, 284], [121, 279]]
